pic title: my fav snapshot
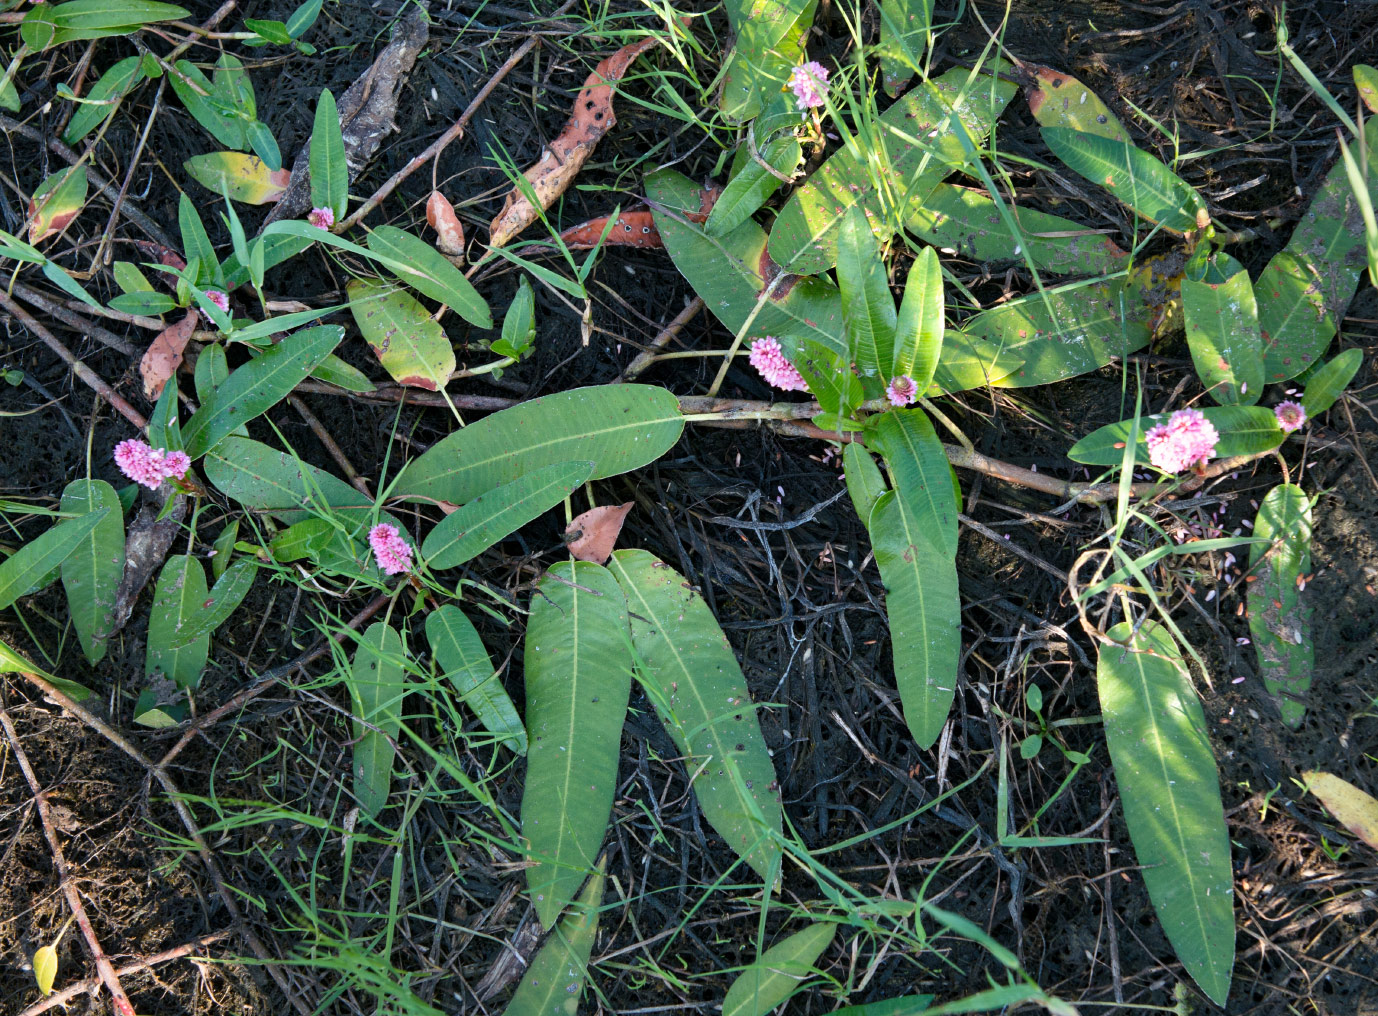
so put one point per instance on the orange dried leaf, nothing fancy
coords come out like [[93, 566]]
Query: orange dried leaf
[[440, 214], [565, 156], [164, 354], [593, 534], [633, 228]]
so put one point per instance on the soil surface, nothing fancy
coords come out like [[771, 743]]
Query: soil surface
[[801, 605]]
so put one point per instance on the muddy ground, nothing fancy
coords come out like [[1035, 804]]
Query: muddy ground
[[800, 605]]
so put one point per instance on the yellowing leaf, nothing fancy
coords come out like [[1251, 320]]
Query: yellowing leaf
[[410, 345], [1354, 809], [239, 176], [57, 202], [45, 968]]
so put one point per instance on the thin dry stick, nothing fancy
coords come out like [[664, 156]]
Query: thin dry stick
[[70, 992], [74, 320], [92, 379], [331, 446], [454, 131], [108, 977], [647, 356], [103, 250]]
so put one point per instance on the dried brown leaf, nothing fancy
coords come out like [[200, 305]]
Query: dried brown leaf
[[164, 354], [440, 214], [593, 534]]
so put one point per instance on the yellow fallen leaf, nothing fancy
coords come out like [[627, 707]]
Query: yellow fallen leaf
[[45, 968], [1354, 809]]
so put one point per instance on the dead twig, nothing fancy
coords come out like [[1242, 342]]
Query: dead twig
[[74, 320], [667, 334]]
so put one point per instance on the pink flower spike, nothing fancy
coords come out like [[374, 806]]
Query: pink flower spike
[[1291, 415], [219, 299], [175, 465], [809, 83], [140, 463], [392, 552], [321, 218], [902, 391], [1187, 439], [768, 358]]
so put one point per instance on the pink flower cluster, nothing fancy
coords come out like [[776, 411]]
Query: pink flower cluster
[[1291, 415], [321, 218], [1187, 439], [391, 551], [902, 391], [219, 299], [768, 358], [150, 466], [809, 83]]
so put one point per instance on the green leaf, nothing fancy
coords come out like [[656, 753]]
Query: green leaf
[[130, 279], [376, 686], [264, 145], [904, 28], [1327, 383], [1278, 620], [778, 973], [868, 310], [100, 101], [149, 712], [829, 377], [277, 248], [45, 969], [257, 386], [554, 981], [906, 1005], [196, 92], [1222, 331], [408, 342], [1134, 176], [304, 539], [150, 304], [329, 174], [22, 571], [751, 184], [924, 612], [691, 675], [303, 18], [274, 32], [967, 362], [216, 608], [177, 600], [1304, 291], [969, 222], [865, 484], [465, 663], [919, 326], [1366, 81], [429, 272], [58, 200], [222, 548], [920, 130], [1064, 332], [45, 26], [1060, 100], [236, 175], [195, 242], [492, 516], [263, 478], [1244, 430], [518, 324], [769, 44], [578, 680], [618, 427], [1160, 747], [91, 574], [337, 372], [921, 473]]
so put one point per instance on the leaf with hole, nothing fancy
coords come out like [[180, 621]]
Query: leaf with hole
[[1223, 335], [1328, 382], [1060, 100], [465, 664], [554, 981], [692, 677], [409, 343], [617, 427], [1244, 430], [1161, 751], [1279, 619], [177, 600], [430, 272], [58, 200], [377, 686], [24, 570], [92, 572], [496, 514], [904, 28], [778, 972], [257, 386], [98, 103], [1352, 808], [238, 176], [578, 680]]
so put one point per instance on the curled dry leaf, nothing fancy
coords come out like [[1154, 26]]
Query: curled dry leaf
[[565, 156], [440, 214], [164, 354], [592, 535], [634, 228]]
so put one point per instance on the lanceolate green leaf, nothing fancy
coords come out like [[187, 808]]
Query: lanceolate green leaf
[[258, 386], [751, 183], [692, 677], [215, 609], [829, 377], [1279, 621], [1329, 381], [919, 327], [194, 89], [907, 1005], [868, 310], [21, 572], [924, 610], [865, 484], [465, 663], [195, 243], [770, 42], [329, 174], [578, 679], [553, 983], [91, 574], [178, 597], [100, 101], [904, 27], [1243, 430], [778, 972], [430, 273], [409, 343], [1166, 773], [264, 478], [477, 525], [618, 427], [919, 130], [1222, 331], [921, 473], [1132, 175], [969, 221], [968, 362], [376, 686]]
